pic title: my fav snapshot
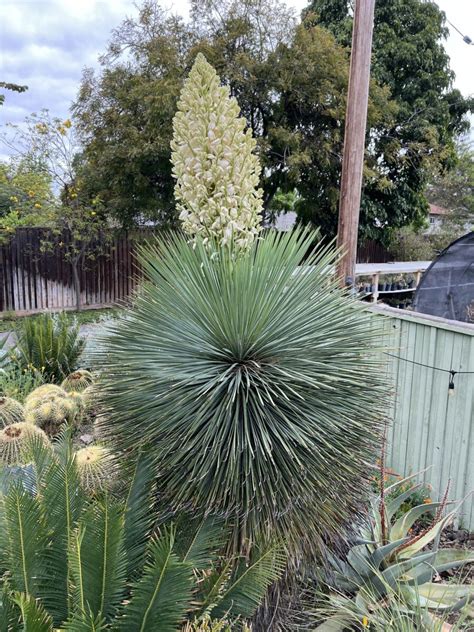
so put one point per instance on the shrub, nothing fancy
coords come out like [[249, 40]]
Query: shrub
[[244, 377], [50, 344], [73, 561], [18, 382]]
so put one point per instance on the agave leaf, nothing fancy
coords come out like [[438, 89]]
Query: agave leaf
[[393, 573], [394, 505], [336, 623], [429, 536], [383, 552], [404, 523], [359, 559], [446, 592]]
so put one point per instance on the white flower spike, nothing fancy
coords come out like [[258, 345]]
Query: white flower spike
[[216, 171]]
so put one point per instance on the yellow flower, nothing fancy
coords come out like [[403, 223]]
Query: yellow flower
[[67, 123], [37, 205], [31, 193], [365, 622], [93, 213], [13, 198], [74, 195], [427, 501]]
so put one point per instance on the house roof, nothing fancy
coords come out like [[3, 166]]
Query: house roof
[[438, 210]]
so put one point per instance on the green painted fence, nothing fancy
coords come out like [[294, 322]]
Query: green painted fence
[[432, 424]]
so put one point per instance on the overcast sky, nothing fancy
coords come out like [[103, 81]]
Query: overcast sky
[[45, 44]]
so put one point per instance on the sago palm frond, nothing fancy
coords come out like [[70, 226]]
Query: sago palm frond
[[198, 542], [245, 376], [237, 590], [161, 596], [33, 616], [98, 560], [139, 517]]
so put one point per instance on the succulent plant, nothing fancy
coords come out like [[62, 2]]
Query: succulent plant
[[77, 381], [388, 558], [95, 465], [11, 411], [14, 442], [45, 390], [51, 411]]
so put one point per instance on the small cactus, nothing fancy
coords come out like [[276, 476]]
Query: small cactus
[[78, 381], [51, 411], [45, 390], [95, 465], [11, 411], [15, 440]]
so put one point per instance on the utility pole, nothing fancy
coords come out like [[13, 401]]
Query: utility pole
[[354, 139]]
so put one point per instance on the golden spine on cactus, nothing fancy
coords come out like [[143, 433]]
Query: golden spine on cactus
[[96, 467], [45, 390], [11, 411], [16, 440], [78, 380], [51, 411]]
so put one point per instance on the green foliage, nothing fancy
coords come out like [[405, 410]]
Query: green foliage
[[409, 244], [410, 60], [454, 189], [289, 81], [389, 560], [65, 557], [18, 382], [245, 378], [14, 87], [419, 493], [50, 344]]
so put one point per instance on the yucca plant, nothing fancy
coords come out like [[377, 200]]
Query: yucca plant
[[388, 559], [72, 562], [245, 376], [51, 344]]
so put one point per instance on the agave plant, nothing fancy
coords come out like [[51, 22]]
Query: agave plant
[[390, 560], [69, 561], [245, 376]]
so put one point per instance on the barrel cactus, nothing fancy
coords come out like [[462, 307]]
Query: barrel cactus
[[95, 465], [11, 411], [77, 381], [45, 390], [15, 441], [51, 411]]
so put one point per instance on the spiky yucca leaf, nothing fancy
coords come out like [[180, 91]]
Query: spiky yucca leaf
[[245, 376], [77, 381], [15, 442], [11, 411]]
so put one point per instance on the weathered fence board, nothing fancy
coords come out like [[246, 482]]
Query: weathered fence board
[[32, 280], [432, 425]]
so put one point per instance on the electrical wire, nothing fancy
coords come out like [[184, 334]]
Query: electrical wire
[[429, 366]]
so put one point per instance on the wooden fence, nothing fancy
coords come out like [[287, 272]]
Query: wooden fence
[[32, 280], [432, 424]]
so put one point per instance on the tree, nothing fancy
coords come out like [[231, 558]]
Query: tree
[[410, 60], [14, 87], [26, 198], [290, 83], [453, 189], [76, 222]]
